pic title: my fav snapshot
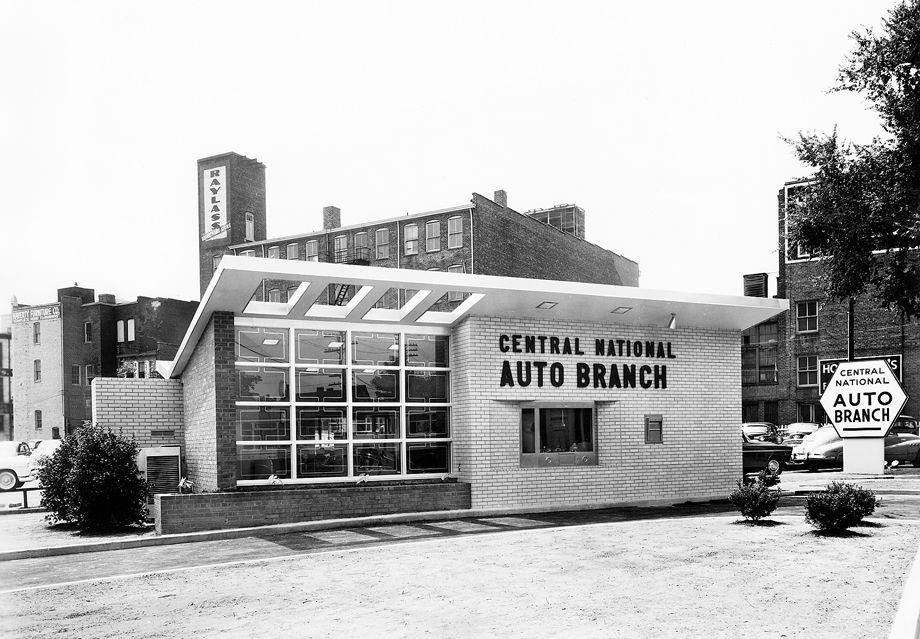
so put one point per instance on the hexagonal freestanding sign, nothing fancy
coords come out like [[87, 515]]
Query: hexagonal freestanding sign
[[863, 399]]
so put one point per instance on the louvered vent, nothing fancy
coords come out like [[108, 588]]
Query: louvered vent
[[163, 474]]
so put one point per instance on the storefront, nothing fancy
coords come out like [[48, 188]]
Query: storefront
[[522, 393]]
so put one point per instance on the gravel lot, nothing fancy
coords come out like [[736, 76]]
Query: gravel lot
[[689, 577]]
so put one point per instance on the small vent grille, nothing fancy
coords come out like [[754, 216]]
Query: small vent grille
[[163, 474], [755, 285]]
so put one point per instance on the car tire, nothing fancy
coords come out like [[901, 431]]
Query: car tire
[[774, 466], [8, 480]]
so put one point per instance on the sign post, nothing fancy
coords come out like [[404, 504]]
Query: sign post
[[862, 400]]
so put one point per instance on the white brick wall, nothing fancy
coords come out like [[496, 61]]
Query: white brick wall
[[146, 410], [701, 408]]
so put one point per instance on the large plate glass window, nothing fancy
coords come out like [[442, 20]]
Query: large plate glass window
[[261, 344], [557, 435], [322, 404], [319, 347]]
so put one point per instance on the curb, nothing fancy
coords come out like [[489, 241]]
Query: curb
[[906, 624], [321, 524]]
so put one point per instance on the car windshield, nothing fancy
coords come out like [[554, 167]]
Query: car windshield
[[823, 435]]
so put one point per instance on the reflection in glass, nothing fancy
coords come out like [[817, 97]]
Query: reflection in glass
[[375, 385], [375, 349], [376, 459], [260, 423], [528, 432], [319, 347], [321, 423], [565, 429], [320, 385], [427, 350], [427, 386], [433, 457], [261, 344], [262, 384], [428, 422], [375, 423], [261, 462], [322, 460]]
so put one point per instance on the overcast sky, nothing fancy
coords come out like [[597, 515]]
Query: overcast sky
[[662, 120]]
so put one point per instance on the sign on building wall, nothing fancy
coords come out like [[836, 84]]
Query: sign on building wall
[[216, 198], [36, 314], [828, 366], [589, 373]]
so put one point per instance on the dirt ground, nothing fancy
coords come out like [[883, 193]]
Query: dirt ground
[[690, 577]]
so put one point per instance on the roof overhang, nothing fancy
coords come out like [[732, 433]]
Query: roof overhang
[[231, 289]]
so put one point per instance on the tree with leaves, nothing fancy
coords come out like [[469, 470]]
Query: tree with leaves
[[861, 212]]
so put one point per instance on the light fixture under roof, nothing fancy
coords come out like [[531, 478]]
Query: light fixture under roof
[[336, 344], [672, 323], [369, 370], [546, 305], [621, 310], [270, 341]]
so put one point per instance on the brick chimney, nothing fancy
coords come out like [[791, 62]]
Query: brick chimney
[[106, 298], [332, 217], [500, 198]]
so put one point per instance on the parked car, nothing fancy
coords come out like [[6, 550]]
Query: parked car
[[796, 432], [760, 431], [757, 455], [824, 448], [907, 425], [44, 450], [14, 464]]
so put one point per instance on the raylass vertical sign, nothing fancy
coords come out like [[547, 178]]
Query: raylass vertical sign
[[216, 223]]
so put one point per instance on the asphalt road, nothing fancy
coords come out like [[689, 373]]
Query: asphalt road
[[27, 574]]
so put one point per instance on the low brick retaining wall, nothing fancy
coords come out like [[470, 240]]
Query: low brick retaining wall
[[216, 511]]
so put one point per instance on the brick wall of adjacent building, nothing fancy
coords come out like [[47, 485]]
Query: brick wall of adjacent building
[[225, 394], [149, 411], [700, 456], [878, 332], [191, 513], [46, 395], [508, 243]]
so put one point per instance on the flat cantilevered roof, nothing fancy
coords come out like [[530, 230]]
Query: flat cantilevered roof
[[236, 279]]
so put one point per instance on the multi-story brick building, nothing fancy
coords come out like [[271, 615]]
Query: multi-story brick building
[[482, 236], [784, 360], [6, 388], [58, 348]]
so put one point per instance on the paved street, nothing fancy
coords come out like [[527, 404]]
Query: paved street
[[40, 572]]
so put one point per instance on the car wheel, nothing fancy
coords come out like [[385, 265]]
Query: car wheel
[[774, 467], [8, 480]]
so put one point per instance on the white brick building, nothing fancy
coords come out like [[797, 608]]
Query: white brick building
[[530, 394]]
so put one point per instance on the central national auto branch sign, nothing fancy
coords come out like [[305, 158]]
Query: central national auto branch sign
[[863, 398]]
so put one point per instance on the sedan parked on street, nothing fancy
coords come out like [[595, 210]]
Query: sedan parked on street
[[757, 456], [824, 448], [14, 464], [760, 431]]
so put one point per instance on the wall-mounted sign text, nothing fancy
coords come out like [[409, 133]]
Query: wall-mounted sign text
[[585, 374], [216, 223], [36, 314]]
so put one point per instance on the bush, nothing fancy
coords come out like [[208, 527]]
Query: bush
[[92, 480], [765, 477], [754, 499], [839, 506]]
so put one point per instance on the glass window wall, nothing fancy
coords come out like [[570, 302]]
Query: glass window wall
[[363, 404]]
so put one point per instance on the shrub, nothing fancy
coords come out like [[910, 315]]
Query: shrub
[[765, 477], [839, 506], [754, 499], [92, 480]]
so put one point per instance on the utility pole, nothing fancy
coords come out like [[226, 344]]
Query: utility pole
[[851, 351]]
